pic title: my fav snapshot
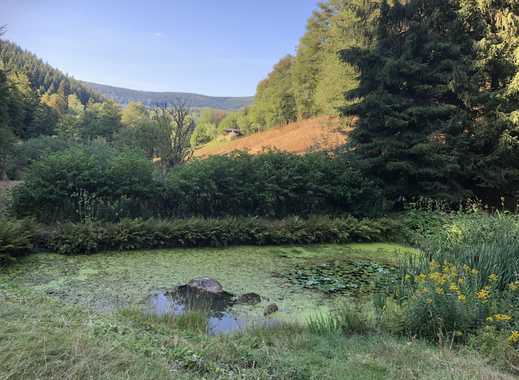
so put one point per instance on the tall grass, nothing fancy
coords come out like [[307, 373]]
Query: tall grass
[[487, 243], [347, 319]]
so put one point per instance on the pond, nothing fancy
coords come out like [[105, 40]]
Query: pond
[[300, 280]]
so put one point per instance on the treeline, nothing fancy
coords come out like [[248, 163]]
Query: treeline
[[314, 81], [43, 78]]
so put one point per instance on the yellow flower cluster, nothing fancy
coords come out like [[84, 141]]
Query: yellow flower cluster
[[499, 318], [454, 288], [502, 317], [513, 339], [483, 295], [442, 280], [438, 278]]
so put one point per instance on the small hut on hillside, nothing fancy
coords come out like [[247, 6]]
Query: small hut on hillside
[[232, 133]]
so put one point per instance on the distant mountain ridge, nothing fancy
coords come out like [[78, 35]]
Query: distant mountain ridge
[[150, 98]]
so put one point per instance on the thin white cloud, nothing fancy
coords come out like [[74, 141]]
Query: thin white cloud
[[158, 34]]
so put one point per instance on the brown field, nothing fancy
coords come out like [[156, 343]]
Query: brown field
[[319, 133]]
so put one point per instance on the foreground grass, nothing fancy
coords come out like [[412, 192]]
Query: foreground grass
[[41, 338]]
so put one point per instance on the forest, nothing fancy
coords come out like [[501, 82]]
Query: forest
[[394, 255]]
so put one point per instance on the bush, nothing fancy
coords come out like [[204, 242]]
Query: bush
[[86, 182], [272, 184], [101, 183], [16, 238], [448, 302], [32, 150], [85, 238]]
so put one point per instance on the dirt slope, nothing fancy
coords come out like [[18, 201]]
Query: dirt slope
[[313, 134]]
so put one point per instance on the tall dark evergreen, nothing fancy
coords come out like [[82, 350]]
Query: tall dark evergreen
[[491, 155], [417, 87]]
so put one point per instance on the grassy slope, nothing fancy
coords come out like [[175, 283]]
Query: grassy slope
[[45, 336], [299, 137]]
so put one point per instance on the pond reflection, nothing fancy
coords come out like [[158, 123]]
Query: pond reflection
[[220, 319]]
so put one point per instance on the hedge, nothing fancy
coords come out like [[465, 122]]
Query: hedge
[[99, 183], [132, 234]]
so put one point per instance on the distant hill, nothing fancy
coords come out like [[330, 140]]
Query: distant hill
[[320, 133], [149, 98]]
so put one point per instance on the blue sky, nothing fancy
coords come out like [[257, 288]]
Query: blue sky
[[213, 47]]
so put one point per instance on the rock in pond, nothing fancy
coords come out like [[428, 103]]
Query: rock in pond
[[270, 309], [249, 298], [206, 284]]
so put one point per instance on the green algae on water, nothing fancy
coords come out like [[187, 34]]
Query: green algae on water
[[111, 281]]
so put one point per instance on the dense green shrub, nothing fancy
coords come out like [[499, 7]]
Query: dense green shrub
[[86, 182], [16, 238], [32, 150], [84, 238], [97, 182], [272, 184]]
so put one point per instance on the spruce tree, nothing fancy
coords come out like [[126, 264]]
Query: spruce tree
[[416, 86], [491, 148]]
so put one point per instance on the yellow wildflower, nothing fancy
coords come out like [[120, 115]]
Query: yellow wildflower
[[489, 319], [514, 337], [483, 295], [513, 286], [493, 278], [440, 291], [461, 280], [451, 270], [502, 317], [437, 278], [462, 297], [429, 301], [421, 278], [454, 288], [434, 265], [474, 272]]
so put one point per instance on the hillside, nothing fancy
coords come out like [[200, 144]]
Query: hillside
[[313, 134], [125, 95], [43, 77]]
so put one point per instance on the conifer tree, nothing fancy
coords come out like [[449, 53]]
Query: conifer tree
[[491, 149], [416, 86]]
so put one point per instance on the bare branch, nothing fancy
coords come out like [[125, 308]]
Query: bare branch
[[177, 123]]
